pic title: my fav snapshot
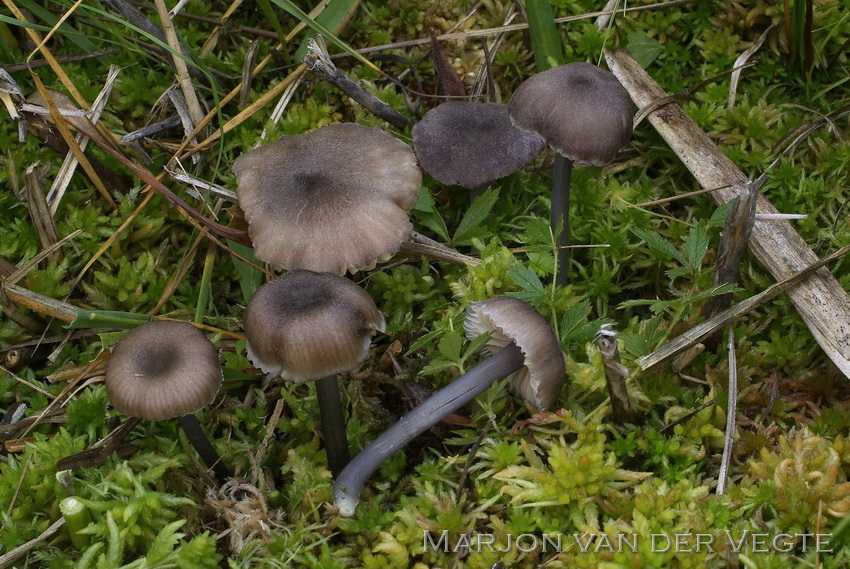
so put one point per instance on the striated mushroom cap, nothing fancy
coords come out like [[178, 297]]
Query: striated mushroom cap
[[162, 370], [305, 326], [512, 320], [580, 110], [470, 144], [334, 200]]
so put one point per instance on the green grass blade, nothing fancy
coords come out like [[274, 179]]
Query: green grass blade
[[65, 29], [545, 41], [319, 27]]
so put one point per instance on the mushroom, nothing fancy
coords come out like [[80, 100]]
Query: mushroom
[[167, 369], [307, 326], [585, 115], [523, 348], [331, 201], [470, 144]]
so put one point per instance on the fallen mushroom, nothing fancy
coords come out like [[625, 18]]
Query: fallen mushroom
[[167, 369], [470, 144], [307, 326], [331, 201], [585, 115], [523, 348]]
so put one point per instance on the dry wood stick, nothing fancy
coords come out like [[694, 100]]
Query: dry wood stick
[[820, 300]]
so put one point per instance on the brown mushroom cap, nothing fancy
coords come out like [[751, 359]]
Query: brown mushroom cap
[[512, 320], [329, 201], [306, 326], [580, 110], [470, 144], [162, 370]]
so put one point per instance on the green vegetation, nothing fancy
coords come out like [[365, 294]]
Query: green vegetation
[[497, 470]]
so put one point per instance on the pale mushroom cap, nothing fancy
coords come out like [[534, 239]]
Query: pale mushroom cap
[[162, 370], [470, 144], [305, 326], [512, 320], [334, 200], [580, 110]]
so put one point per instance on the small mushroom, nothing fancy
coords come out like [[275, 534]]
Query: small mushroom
[[470, 144], [585, 115], [307, 326], [167, 369], [331, 201], [523, 348]]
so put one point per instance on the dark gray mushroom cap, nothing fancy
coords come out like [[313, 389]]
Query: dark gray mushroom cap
[[162, 370], [305, 326], [329, 201], [580, 110], [470, 144], [512, 320]]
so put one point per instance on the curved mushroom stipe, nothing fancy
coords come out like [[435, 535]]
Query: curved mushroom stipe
[[464, 389]]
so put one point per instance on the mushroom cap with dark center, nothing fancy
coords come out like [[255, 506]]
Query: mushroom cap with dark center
[[580, 110], [329, 201], [162, 370], [470, 144], [305, 326], [512, 320]]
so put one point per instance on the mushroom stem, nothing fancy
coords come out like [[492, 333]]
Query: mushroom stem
[[444, 402], [561, 173], [333, 424], [203, 446]]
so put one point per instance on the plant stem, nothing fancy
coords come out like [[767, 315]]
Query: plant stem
[[204, 447], [444, 402], [77, 517], [561, 174], [333, 424]]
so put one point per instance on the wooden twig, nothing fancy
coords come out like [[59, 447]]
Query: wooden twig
[[615, 375], [820, 300], [7, 559]]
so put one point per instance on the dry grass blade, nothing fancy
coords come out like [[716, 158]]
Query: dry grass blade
[[12, 557], [69, 165], [740, 62], [823, 304], [731, 407], [615, 375], [45, 228], [185, 82]]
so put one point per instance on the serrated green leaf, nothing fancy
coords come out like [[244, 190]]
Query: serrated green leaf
[[526, 278], [573, 318], [475, 215], [435, 222], [423, 341], [643, 48], [696, 245], [450, 346], [659, 244], [424, 201], [475, 345], [537, 232]]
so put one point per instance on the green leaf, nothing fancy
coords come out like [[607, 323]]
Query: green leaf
[[435, 222], [545, 41], [526, 278], [436, 366], [718, 218], [250, 278], [425, 201], [475, 215], [423, 341], [659, 244], [271, 17], [696, 245], [163, 544], [450, 345], [573, 317], [643, 48], [107, 319]]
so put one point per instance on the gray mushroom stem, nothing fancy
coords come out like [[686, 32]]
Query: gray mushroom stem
[[203, 446], [350, 482], [561, 174], [333, 424]]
